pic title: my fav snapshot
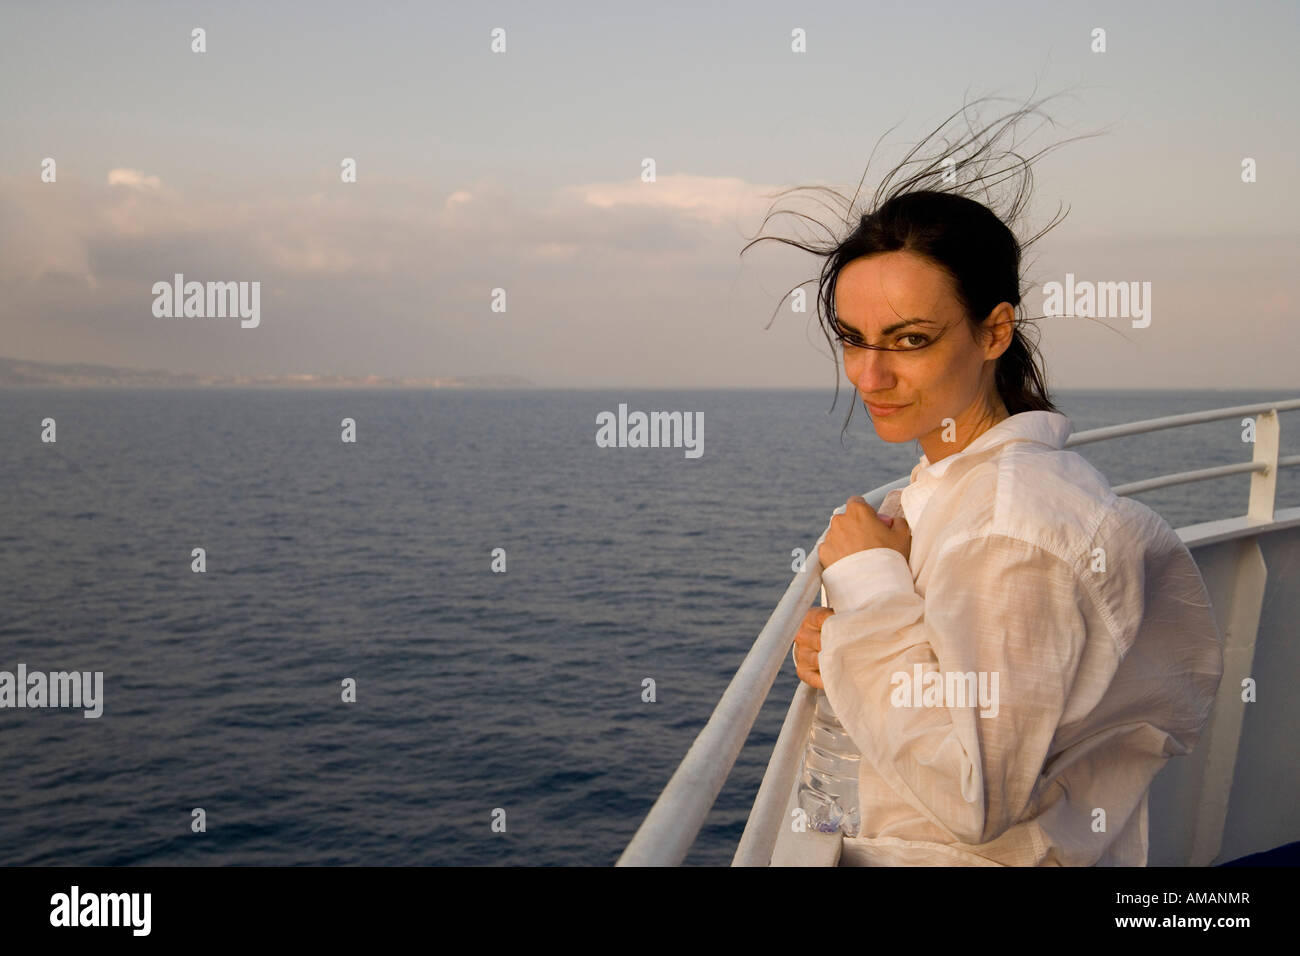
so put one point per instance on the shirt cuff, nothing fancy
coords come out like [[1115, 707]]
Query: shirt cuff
[[856, 578]]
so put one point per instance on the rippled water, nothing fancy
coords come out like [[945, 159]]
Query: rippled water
[[476, 691]]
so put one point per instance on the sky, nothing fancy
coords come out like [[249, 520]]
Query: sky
[[522, 170]]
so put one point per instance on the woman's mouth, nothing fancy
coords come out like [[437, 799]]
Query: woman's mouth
[[880, 411]]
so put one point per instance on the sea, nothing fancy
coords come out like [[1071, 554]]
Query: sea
[[470, 637]]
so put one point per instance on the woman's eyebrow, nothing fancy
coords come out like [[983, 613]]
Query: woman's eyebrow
[[890, 329]]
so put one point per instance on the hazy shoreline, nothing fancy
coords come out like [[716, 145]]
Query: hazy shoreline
[[20, 373]]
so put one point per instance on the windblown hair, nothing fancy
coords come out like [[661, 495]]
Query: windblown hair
[[930, 212]]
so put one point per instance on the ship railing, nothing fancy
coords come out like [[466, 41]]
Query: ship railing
[[676, 818]]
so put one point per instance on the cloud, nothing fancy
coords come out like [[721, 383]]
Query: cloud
[[388, 277], [608, 281], [398, 230], [459, 196], [133, 179], [716, 199]]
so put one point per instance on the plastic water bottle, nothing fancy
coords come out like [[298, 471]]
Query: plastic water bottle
[[828, 779]]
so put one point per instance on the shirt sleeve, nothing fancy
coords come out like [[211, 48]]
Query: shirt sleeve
[[1002, 626]]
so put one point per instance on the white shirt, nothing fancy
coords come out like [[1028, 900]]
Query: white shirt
[[1094, 618]]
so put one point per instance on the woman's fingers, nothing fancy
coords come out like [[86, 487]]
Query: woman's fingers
[[811, 678], [805, 666], [807, 644]]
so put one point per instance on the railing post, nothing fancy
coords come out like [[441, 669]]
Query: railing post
[[1263, 484], [1239, 622]]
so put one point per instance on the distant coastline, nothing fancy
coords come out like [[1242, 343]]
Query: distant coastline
[[19, 373]]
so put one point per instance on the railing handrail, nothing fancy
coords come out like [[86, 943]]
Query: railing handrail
[[674, 821], [1177, 421]]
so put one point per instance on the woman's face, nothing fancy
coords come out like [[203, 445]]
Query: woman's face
[[933, 366]]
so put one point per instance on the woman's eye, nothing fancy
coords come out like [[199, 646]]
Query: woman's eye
[[857, 343]]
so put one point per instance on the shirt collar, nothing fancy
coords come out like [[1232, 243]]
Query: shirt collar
[[1046, 428]]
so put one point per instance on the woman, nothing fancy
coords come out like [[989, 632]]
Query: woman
[[1020, 651]]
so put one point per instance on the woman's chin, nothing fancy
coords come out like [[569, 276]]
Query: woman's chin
[[892, 431]]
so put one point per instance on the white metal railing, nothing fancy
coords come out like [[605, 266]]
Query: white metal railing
[[671, 826]]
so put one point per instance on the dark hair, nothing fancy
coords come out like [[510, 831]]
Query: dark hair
[[973, 245]]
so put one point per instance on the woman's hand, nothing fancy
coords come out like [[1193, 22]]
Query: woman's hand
[[808, 644], [859, 528]]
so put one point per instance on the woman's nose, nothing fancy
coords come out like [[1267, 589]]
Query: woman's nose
[[869, 369]]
